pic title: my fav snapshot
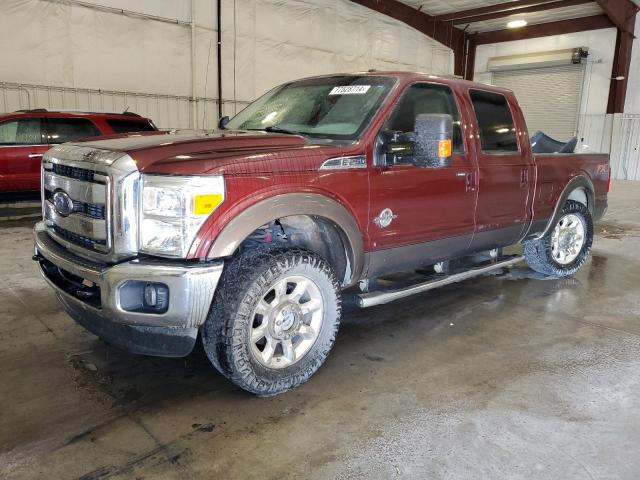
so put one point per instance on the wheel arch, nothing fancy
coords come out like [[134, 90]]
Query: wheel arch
[[579, 188], [319, 222]]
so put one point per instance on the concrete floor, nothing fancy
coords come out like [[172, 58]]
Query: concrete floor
[[502, 377]]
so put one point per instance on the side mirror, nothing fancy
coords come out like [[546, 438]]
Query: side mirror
[[223, 122], [398, 147], [434, 140]]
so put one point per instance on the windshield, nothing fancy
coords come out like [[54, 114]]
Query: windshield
[[331, 107]]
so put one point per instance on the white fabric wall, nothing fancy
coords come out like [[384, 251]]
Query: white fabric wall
[[281, 40], [106, 59]]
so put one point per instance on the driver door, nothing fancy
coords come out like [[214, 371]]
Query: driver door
[[431, 209]]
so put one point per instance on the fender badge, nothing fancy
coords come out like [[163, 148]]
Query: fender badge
[[385, 218]]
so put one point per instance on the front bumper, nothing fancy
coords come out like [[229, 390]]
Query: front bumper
[[90, 293]]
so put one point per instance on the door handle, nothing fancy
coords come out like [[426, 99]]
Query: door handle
[[35, 155], [469, 183], [524, 176]]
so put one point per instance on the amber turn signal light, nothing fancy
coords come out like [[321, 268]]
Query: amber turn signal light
[[444, 148]]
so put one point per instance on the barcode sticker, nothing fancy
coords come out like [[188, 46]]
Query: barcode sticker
[[350, 90]]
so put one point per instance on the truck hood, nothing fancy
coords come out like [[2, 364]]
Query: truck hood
[[220, 151]]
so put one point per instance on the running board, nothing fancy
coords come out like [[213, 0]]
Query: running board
[[371, 299]]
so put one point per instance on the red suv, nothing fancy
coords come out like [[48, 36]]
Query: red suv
[[26, 135]]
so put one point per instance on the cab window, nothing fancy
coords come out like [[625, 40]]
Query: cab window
[[422, 98], [23, 131], [495, 122], [60, 130], [128, 126]]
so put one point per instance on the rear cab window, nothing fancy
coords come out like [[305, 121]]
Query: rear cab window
[[61, 130], [127, 126], [495, 122]]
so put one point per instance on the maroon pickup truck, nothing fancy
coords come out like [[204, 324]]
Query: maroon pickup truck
[[251, 234]]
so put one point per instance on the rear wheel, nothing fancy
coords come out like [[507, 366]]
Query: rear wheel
[[273, 320], [564, 249]]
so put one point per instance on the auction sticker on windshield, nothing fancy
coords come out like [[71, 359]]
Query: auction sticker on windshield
[[350, 90]]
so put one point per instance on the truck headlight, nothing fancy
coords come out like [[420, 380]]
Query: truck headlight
[[173, 210]]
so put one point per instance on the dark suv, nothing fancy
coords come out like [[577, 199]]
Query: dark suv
[[26, 135]]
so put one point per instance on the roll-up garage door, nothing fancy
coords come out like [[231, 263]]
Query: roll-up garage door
[[549, 97]]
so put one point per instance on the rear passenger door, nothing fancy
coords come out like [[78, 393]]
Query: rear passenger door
[[504, 171], [68, 129]]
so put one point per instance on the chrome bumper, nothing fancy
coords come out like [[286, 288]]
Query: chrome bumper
[[191, 288]]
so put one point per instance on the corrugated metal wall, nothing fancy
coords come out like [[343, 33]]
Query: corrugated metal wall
[[625, 154], [167, 111], [594, 133], [618, 135]]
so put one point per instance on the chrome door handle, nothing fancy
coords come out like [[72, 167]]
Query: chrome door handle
[[35, 155], [469, 177]]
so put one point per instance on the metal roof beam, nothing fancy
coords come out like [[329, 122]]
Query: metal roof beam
[[544, 30], [491, 9], [509, 9], [621, 12]]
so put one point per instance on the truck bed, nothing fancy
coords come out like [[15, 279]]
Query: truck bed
[[555, 170]]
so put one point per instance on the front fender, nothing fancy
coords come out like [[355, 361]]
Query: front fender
[[286, 205]]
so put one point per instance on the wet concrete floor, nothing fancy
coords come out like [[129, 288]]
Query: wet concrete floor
[[503, 377]]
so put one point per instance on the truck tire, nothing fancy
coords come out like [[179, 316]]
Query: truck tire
[[273, 319], [565, 248]]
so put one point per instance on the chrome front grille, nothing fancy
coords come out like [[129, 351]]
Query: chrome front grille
[[86, 242], [93, 210], [77, 173], [95, 222]]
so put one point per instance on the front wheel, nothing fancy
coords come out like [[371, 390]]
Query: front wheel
[[564, 249], [273, 320]]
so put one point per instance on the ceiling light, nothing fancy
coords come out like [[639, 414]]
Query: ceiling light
[[517, 23]]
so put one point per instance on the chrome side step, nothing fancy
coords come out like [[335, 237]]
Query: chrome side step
[[371, 299]]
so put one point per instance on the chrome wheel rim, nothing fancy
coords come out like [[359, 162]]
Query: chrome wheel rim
[[286, 322], [568, 239]]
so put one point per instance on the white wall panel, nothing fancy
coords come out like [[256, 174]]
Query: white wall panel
[[265, 42], [280, 40], [625, 156]]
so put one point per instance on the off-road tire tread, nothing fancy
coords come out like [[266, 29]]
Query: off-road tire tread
[[243, 280], [538, 252]]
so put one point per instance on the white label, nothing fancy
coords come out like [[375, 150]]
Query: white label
[[350, 90]]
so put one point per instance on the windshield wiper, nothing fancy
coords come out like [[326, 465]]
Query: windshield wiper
[[277, 129]]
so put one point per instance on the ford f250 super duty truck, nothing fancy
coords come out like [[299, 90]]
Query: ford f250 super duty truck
[[249, 234]]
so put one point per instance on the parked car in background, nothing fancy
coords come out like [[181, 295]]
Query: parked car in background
[[26, 135]]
